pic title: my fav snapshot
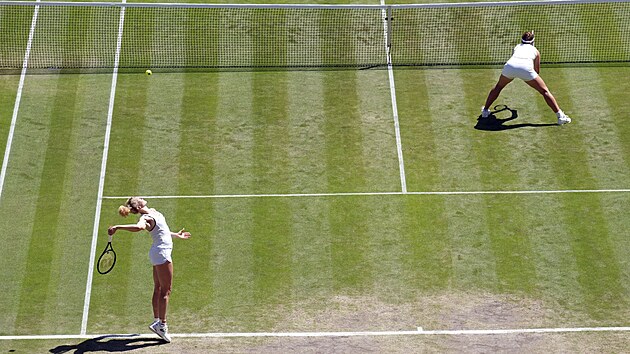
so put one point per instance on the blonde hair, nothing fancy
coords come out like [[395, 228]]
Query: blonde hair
[[132, 205]]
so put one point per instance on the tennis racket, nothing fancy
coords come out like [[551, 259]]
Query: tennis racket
[[107, 260]]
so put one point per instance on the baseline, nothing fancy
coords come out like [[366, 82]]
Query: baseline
[[418, 331]]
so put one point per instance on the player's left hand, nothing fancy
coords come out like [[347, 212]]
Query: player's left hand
[[183, 234]]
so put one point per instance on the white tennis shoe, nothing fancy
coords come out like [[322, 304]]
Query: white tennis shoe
[[161, 329], [154, 326], [564, 119], [484, 112]]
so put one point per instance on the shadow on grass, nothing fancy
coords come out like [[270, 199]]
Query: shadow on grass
[[492, 123], [110, 343]]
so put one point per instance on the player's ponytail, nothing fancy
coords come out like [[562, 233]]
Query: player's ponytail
[[133, 205], [124, 211]]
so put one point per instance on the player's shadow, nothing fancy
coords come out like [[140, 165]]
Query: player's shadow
[[492, 123], [113, 343]]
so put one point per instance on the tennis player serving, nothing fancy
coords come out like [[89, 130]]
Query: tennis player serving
[[525, 65], [160, 254]]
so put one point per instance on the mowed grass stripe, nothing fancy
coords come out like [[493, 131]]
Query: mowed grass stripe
[[509, 241], [271, 237], [307, 167], [43, 247], [234, 221], [197, 149], [123, 174], [392, 264], [311, 252], [158, 159], [346, 170], [473, 262], [310, 226], [557, 270], [428, 254], [198, 144], [22, 186]]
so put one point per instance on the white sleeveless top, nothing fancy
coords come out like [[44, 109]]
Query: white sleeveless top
[[522, 53], [160, 233]]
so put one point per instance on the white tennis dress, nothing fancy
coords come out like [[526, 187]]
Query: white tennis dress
[[162, 246], [521, 64]]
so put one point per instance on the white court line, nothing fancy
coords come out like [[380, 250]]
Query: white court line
[[392, 89], [101, 183], [306, 195], [18, 99], [418, 331]]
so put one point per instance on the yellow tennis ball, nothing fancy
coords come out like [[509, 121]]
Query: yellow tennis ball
[[148, 72]]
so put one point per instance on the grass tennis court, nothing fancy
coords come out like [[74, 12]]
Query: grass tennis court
[[290, 183]]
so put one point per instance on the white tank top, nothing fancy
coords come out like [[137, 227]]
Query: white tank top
[[524, 52], [160, 233]]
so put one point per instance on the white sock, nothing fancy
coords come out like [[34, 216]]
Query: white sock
[[155, 319], [559, 114]]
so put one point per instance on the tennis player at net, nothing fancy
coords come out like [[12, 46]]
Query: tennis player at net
[[160, 254], [525, 65]]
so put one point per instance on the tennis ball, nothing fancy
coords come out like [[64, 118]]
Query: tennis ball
[[148, 72]]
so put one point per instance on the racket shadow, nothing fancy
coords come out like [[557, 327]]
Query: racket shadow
[[110, 343], [492, 123]]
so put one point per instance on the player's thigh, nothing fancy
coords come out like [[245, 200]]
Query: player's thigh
[[156, 278], [503, 81], [538, 84], [165, 275]]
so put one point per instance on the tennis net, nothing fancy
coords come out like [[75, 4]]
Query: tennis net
[[84, 35]]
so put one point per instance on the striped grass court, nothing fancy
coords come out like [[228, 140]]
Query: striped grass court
[[306, 219]]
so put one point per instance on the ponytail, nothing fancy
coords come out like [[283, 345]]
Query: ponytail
[[124, 211], [133, 205]]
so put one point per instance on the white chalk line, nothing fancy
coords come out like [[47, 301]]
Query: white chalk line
[[418, 331], [356, 194]]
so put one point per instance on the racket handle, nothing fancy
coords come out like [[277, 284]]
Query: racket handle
[[111, 237]]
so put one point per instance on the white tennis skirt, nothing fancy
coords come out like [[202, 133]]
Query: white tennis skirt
[[160, 255], [517, 69]]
